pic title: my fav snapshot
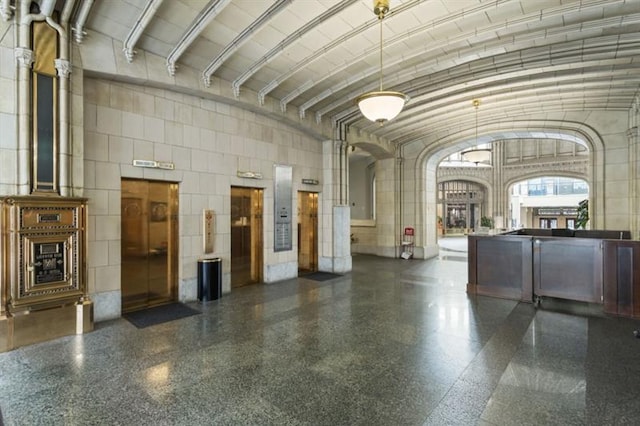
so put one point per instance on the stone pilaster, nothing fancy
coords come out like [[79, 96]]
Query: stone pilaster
[[386, 207], [634, 181], [24, 58], [63, 66], [335, 251], [500, 202]]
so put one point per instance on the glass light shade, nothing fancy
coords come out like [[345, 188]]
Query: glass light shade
[[477, 155], [381, 106]]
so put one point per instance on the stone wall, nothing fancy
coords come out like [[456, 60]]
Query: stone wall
[[209, 142]]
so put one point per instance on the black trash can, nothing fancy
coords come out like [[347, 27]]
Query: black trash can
[[209, 279]]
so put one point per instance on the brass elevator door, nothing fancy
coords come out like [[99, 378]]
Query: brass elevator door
[[149, 243], [246, 236], [307, 231]]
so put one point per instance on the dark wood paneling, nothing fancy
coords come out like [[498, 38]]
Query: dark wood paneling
[[519, 266], [568, 268], [621, 271], [500, 266]]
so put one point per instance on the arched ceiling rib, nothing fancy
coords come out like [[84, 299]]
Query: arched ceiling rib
[[243, 37], [210, 11], [291, 38], [524, 58], [136, 31]]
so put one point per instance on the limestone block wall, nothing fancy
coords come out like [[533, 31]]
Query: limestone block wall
[[364, 236], [616, 177], [209, 142]]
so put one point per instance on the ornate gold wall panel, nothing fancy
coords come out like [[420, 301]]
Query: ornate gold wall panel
[[43, 270]]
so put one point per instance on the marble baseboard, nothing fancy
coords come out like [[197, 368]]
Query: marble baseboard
[[427, 252], [363, 249], [325, 264], [188, 290], [338, 265], [226, 282], [388, 252], [106, 305], [342, 265], [280, 271]]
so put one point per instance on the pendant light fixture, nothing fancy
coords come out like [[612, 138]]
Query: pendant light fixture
[[381, 106], [477, 155]]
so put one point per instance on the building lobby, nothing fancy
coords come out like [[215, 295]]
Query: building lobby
[[315, 166]]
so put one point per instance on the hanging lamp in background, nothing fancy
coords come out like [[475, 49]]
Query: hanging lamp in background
[[477, 155], [381, 106]]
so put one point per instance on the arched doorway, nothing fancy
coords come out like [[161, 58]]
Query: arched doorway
[[461, 205]]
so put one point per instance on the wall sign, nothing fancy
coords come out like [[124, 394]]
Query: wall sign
[[151, 164], [207, 233], [249, 175], [49, 265]]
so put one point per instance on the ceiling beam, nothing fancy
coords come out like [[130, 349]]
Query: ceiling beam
[[211, 10], [81, 19], [242, 38], [290, 39], [138, 28]]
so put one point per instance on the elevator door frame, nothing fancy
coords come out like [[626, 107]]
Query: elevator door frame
[[311, 265], [247, 236], [153, 214]]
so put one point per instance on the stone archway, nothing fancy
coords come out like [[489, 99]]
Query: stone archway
[[428, 159]]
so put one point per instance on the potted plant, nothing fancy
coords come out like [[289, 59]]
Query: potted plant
[[486, 222], [583, 214]]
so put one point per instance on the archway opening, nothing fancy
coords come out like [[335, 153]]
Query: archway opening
[[461, 207], [546, 202]]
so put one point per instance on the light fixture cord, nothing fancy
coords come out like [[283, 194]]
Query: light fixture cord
[[476, 104], [380, 17]]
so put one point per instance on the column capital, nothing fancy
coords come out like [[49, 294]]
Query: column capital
[[24, 57], [634, 134], [63, 67]]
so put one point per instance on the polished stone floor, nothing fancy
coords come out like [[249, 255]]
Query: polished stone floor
[[396, 342]]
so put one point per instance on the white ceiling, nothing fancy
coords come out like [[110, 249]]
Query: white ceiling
[[521, 58]]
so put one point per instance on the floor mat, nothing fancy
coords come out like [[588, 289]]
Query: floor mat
[[159, 314], [320, 276]]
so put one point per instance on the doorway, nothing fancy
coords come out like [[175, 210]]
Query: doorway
[[307, 231], [246, 236], [149, 243]]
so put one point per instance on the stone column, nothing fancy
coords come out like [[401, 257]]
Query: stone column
[[63, 67], [634, 179], [500, 202], [24, 58], [335, 249], [386, 207]]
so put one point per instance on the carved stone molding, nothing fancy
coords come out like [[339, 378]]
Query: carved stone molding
[[24, 57], [171, 69], [459, 172], [129, 54], [5, 11], [63, 67], [577, 167], [510, 172]]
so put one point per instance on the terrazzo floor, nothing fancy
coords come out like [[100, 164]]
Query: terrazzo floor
[[395, 342]]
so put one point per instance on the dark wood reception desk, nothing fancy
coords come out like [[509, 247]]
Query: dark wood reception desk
[[601, 267]]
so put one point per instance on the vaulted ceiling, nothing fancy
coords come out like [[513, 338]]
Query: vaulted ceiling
[[522, 58]]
